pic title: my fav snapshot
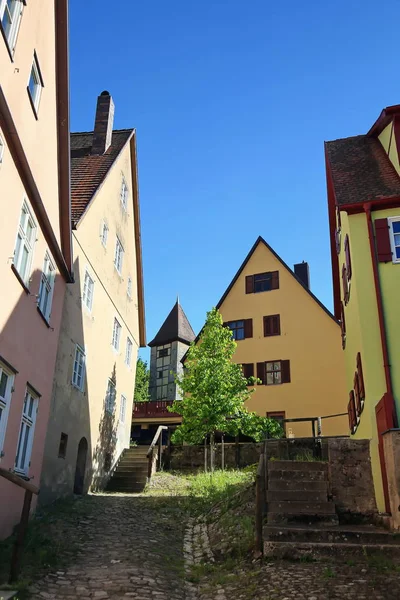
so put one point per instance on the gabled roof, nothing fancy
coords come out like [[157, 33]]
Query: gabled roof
[[361, 170], [176, 327], [88, 171], [260, 240]]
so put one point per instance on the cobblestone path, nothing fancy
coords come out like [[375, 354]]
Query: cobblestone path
[[130, 547]]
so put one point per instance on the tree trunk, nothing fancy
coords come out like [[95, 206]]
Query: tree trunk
[[205, 454], [212, 452], [222, 453]]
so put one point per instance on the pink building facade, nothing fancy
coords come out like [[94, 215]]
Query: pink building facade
[[35, 231]]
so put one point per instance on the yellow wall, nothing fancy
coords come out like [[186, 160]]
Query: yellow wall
[[363, 335], [388, 141], [309, 338]]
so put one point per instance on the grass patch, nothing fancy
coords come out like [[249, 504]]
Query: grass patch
[[220, 488]]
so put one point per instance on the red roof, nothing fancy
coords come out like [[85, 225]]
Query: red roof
[[361, 170], [88, 171]]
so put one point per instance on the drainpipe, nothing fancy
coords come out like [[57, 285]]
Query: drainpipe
[[378, 291]]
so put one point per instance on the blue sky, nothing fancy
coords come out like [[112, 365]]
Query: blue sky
[[232, 102]]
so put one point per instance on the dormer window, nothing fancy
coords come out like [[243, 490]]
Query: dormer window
[[262, 282]]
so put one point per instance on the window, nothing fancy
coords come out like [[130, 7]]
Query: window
[[88, 288], [35, 85], [345, 284], [46, 288], [343, 325], [62, 449], [119, 255], [129, 288], [162, 383], [274, 372], [241, 329], [163, 355], [272, 325], [278, 416], [122, 409], [78, 373], [1, 149], [128, 355], [26, 433], [116, 334], [104, 234], [394, 232], [10, 18], [124, 194], [262, 282], [351, 409], [6, 384], [110, 397], [248, 370], [25, 242], [348, 257]]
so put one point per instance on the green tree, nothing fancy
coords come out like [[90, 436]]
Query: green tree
[[214, 389], [142, 382]]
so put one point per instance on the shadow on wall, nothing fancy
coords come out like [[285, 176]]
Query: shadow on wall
[[103, 453]]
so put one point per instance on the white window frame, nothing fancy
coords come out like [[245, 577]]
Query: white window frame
[[15, 16], [46, 290], [129, 287], [122, 409], [124, 193], [2, 148], [116, 335], [111, 396], [5, 402], [79, 361], [88, 291], [392, 220], [104, 233], [128, 352], [26, 432], [119, 255], [28, 244], [35, 75]]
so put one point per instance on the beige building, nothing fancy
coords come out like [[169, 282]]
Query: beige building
[[103, 318], [35, 232]]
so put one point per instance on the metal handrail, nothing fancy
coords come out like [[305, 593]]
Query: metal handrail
[[30, 489]]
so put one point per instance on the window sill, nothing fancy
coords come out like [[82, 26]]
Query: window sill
[[32, 104], [22, 282], [46, 322], [6, 43], [76, 387]]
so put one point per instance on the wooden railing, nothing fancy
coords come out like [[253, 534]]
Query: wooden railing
[[158, 408], [150, 453], [30, 489]]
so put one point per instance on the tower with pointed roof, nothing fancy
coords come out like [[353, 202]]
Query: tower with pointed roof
[[167, 349]]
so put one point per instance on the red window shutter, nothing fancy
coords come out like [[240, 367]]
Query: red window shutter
[[275, 280], [261, 372], [249, 284], [383, 247], [360, 377], [345, 285], [348, 257], [351, 409], [343, 325], [357, 394], [248, 328], [248, 370], [285, 366]]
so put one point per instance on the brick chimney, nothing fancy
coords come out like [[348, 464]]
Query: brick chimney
[[103, 124], [302, 271]]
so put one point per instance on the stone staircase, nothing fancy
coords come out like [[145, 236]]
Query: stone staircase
[[302, 519], [130, 475]]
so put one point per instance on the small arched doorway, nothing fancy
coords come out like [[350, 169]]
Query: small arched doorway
[[80, 467]]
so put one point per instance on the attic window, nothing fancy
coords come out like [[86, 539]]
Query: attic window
[[262, 282]]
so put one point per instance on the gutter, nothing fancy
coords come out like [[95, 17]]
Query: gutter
[[379, 301]]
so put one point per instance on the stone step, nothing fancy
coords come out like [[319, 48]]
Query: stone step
[[289, 519], [118, 485], [297, 465], [279, 485], [300, 495], [294, 507], [131, 473], [297, 475], [297, 550], [133, 463], [362, 534]]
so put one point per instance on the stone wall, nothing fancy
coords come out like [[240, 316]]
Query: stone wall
[[191, 458], [391, 442]]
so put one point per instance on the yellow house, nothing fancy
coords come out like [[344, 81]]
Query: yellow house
[[289, 340], [364, 214], [103, 317]]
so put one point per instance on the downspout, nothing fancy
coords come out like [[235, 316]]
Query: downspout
[[378, 291]]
